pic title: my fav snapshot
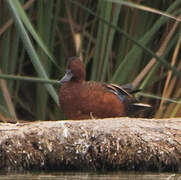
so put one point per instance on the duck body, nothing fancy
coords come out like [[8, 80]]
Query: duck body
[[86, 99], [80, 99]]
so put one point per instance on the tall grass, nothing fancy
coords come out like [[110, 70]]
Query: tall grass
[[123, 42]]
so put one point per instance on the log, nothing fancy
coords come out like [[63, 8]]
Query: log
[[107, 144]]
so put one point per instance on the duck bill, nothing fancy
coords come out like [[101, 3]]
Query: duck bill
[[67, 77]]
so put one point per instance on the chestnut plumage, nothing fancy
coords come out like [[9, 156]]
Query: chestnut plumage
[[80, 99]]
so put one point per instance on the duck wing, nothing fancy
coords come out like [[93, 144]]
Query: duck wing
[[126, 93], [119, 91]]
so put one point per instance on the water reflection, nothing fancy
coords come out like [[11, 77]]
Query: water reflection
[[89, 176]]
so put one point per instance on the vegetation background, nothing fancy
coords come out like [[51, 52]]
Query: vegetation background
[[119, 41]]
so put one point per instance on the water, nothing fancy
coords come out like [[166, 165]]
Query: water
[[89, 176]]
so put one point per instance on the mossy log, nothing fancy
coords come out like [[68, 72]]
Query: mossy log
[[108, 144]]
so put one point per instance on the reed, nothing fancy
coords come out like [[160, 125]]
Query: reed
[[123, 42]]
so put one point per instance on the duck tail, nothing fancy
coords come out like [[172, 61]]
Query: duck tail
[[141, 105], [136, 108]]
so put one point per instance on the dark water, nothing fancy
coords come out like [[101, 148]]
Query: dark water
[[89, 176]]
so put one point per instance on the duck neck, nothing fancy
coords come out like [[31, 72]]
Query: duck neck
[[78, 80]]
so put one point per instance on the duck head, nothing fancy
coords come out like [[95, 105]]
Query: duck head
[[75, 71]]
